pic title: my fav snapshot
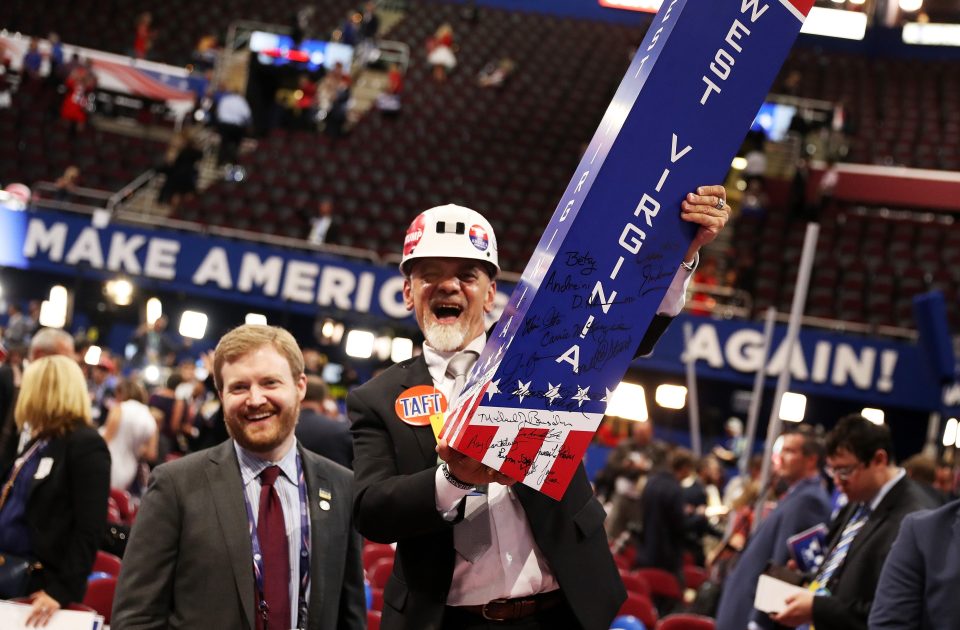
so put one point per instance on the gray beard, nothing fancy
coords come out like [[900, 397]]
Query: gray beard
[[445, 338]]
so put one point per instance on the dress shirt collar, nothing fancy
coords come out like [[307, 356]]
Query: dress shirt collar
[[437, 361], [251, 466], [901, 473]]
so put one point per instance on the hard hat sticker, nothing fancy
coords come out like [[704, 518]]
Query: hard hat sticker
[[414, 234], [417, 405], [479, 238]]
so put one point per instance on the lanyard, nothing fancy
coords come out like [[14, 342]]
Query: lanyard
[[304, 551], [38, 446]]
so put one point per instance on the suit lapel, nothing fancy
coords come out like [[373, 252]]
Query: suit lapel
[[226, 486], [877, 518], [317, 482], [416, 373]]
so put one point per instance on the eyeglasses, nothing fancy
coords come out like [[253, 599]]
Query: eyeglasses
[[842, 472]]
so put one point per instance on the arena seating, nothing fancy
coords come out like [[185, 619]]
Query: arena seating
[[902, 112], [510, 151], [179, 24], [40, 148], [870, 262]]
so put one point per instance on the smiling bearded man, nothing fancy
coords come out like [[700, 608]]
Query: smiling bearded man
[[255, 532]]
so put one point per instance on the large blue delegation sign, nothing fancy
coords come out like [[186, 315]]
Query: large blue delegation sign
[[616, 239]]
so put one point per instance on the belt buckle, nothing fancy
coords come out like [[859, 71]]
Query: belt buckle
[[483, 610]]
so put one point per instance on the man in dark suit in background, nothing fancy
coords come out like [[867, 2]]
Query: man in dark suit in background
[[880, 495], [191, 563], [319, 432], [665, 520], [917, 589], [805, 505], [537, 562]]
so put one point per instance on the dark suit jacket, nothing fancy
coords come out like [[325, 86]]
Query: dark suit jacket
[[189, 560], [665, 525], [325, 436], [806, 505], [67, 513], [918, 584], [853, 586], [395, 466]]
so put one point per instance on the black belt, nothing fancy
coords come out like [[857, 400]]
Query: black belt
[[517, 608]]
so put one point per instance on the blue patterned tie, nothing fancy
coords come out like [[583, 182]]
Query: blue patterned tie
[[837, 555]]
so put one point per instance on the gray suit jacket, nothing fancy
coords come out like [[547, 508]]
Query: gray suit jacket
[[189, 560], [918, 584]]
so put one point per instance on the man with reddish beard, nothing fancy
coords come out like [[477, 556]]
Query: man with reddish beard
[[257, 532], [508, 556]]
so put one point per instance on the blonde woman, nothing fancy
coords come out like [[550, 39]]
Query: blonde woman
[[53, 503]]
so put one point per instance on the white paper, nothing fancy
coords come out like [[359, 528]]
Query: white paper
[[772, 594], [44, 468], [13, 616]]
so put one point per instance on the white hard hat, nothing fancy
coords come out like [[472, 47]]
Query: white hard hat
[[450, 231]]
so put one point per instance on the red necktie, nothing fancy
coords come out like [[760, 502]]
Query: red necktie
[[272, 535]]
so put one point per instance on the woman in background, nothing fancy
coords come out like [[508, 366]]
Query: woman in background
[[131, 434], [53, 503]]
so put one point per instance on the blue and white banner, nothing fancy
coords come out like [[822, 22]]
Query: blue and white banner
[[616, 239], [270, 277], [873, 371]]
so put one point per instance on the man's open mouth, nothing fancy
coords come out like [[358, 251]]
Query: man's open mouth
[[447, 313]]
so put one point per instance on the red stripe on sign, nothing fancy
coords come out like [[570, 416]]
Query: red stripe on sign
[[463, 413], [566, 463], [522, 454], [803, 6], [475, 441]]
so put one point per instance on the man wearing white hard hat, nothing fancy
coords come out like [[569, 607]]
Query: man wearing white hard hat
[[522, 560]]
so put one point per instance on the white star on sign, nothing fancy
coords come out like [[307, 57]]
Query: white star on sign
[[553, 392], [581, 396], [523, 389], [608, 395], [493, 389]]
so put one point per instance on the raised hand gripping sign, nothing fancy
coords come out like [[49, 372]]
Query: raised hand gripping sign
[[575, 320]]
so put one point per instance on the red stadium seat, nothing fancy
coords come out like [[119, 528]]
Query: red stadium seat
[[694, 576], [124, 503], [106, 563], [683, 621], [662, 583], [379, 572], [640, 607], [634, 583], [376, 551], [100, 596]]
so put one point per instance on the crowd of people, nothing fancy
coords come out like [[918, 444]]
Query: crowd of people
[[190, 535]]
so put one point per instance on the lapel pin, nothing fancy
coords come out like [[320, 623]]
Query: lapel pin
[[325, 495], [324, 505]]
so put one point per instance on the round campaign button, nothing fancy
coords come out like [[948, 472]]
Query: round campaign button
[[479, 238], [324, 505], [416, 405]]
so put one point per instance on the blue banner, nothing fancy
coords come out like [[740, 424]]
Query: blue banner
[[259, 275], [874, 371]]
